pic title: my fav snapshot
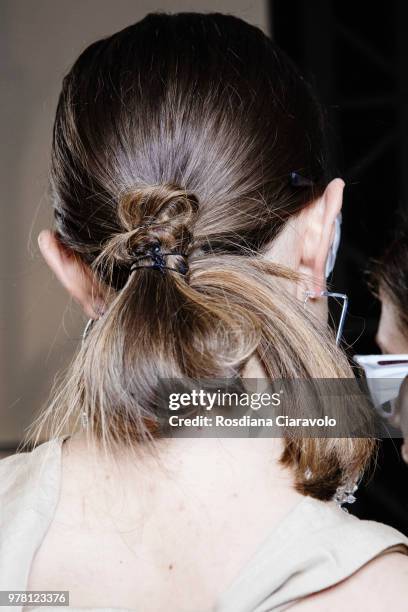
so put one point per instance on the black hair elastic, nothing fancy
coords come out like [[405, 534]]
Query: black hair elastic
[[159, 263]]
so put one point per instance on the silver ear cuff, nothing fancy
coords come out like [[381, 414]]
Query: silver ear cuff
[[344, 308], [87, 329], [84, 415]]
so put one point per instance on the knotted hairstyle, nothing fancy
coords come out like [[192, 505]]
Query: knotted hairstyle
[[183, 130]]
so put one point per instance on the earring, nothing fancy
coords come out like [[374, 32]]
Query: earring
[[341, 296], [345, 494], [88, 326], [100, 310], [87, 329]]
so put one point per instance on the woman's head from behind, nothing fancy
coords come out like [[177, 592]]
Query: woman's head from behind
[[193, 208]]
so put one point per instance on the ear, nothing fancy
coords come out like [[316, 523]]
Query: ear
[[318, 227], [77, 278]]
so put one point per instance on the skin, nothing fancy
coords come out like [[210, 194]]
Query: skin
[[391, 341], [135, 511], [389, 337]]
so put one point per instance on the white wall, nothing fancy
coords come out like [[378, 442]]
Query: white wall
[[39, 327]]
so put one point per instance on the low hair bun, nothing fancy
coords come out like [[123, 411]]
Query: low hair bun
[[149, 215]]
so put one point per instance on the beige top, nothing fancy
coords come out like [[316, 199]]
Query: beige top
[[315, 546]]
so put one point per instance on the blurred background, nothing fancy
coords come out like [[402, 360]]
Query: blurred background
[[355, 55]]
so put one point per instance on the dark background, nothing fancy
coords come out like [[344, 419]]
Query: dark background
[[356, 56]]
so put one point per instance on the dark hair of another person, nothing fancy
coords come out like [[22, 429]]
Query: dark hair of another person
[[390, 275]]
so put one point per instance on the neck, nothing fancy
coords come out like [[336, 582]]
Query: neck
[[213, 467], [216, 475]]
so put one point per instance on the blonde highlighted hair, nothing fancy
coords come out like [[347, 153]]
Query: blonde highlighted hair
[[182, 131]]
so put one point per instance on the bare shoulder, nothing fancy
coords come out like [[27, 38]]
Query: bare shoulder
[[381, 584]]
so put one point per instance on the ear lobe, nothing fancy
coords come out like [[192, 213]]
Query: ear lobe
[[73, 274], [319, 218]]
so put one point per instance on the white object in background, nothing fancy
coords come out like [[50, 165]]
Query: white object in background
[[331, 258], [384, 374]]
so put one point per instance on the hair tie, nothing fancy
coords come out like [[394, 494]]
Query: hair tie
[[158, 261]]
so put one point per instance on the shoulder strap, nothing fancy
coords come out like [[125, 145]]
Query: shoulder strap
[[29, 491], [316, 546]]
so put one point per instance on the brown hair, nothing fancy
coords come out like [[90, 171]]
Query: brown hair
[[182, 131], [390, 274]]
